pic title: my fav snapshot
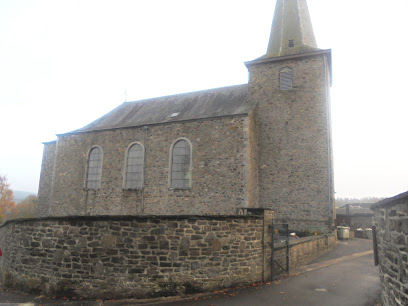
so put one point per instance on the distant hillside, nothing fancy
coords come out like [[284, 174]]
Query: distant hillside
[[21, 195]]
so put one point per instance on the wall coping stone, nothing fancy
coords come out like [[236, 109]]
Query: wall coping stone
[[132, 217], [280, 245], [356, 215]]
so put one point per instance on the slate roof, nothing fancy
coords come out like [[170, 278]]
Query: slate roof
[[401, 198], [219, 102]]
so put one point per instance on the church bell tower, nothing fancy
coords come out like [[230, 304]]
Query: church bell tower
[[290, 86]]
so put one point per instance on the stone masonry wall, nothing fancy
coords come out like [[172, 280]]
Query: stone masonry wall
[[303, 250], [391, 221], [253, 181], [111, 257], [294, 134], [219, 171], [144, 256], [44, 194]]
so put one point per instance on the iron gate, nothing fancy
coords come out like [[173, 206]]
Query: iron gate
[[279, 241]]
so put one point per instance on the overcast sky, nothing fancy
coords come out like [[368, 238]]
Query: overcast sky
[[63, 64]]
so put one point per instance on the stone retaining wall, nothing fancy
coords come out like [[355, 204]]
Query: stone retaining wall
[[115, 257], [302, 251], [305, 250], [123, 257], [391, 220]]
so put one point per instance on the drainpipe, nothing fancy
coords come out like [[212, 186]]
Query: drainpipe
[[263, 249], [146, 128], [329, 153]]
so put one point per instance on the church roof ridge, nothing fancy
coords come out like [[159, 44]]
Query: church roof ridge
[[203, 104], [194, 92]]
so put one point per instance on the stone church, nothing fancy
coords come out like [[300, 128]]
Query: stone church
[[264, 144]]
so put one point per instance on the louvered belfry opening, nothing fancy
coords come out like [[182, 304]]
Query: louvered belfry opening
[[286, 79]]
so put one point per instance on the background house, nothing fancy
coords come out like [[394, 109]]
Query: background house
[[355, 216]]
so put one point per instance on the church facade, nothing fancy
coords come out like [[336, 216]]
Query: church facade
[[265, 144]]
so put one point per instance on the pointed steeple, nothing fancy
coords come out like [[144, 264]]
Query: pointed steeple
[[292, 31]]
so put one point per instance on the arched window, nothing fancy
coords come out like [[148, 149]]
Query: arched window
[[180, 176], [134, 167], [286, 79], [93, 178]]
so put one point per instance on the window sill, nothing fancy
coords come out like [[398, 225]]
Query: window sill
[[179, 189]]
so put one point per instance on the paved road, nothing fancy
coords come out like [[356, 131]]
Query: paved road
[[345, 276]]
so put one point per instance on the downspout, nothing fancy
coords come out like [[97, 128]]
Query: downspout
[[272, 226], [144, 161], [329, 147], [263, 248]]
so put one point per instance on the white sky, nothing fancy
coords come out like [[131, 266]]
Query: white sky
[[64, 63]]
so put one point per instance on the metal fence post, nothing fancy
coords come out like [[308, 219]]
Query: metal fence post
[[375, 246], [273, 251], [287, 248]]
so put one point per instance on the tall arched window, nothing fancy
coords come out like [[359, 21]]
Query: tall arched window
[[286, 79], [93, 178], [134, 167], [180, 176]]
